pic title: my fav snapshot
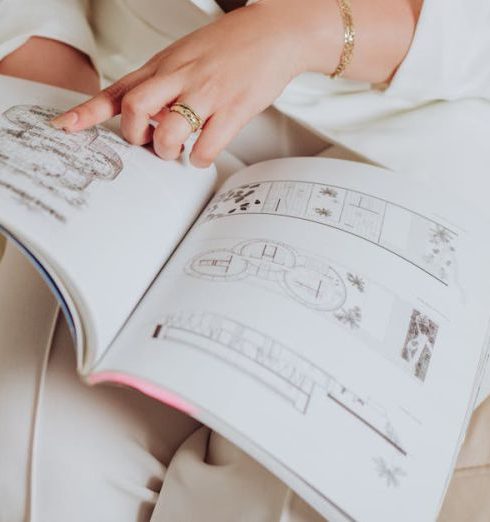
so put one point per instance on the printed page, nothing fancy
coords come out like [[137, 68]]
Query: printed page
[[330, 318], [101, 216]]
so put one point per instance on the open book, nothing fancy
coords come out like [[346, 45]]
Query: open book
[[328, 317]]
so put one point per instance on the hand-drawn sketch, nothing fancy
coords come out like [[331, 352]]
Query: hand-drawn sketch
[[289, 375], [390, 474], [419, 240], [351, 317], [356, 281], [441, 251], [419, 344], [312, 282], [334, 291], [62, 165]]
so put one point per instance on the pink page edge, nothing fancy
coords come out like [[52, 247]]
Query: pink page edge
[[144, 387]]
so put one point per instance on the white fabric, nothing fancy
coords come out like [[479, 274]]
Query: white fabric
[[408, 126], [63, 20], [448, 58]]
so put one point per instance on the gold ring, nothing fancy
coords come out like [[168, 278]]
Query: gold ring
[[194, 120]]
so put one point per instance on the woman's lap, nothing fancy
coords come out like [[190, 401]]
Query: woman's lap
[[25, 314], [70, 452]]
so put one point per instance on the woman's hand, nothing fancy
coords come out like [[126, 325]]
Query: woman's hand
[[67, 67], [234, 68], [228, 72]]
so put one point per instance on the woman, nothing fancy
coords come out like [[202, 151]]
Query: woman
[[104, 454]]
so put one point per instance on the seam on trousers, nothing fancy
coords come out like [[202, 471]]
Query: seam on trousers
[[3, 245], [286, 510], [31, 490]]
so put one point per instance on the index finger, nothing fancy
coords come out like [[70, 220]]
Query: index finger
[[103, 106]]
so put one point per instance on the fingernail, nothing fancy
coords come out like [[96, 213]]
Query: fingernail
[[65, 121]]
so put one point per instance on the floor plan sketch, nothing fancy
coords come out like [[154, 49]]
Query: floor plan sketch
[[421, 241], [349, 299], [274, 365], [313, 282], [60, 166]]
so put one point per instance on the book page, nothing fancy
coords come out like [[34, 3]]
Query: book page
[[330, 318], [100, 215]]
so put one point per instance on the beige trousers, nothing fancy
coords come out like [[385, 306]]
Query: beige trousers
[[73, 453]]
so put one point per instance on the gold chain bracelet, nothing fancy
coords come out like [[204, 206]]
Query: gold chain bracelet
[[349, 38]]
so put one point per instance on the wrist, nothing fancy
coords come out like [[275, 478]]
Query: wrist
[[316, 29], [384, 31], [323, 36]]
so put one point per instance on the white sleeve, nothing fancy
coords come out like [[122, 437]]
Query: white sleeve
[[449, 56], [63, 20]]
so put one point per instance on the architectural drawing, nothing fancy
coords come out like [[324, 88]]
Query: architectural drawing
[[419, 344], [311, 281], [274, 365], [335, 292], [417, 239], [58, 165]]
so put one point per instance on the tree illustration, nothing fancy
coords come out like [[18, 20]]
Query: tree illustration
[[324, 212], [391, 474], [356, 281], [440, 235], [351, 317], [329, 191]]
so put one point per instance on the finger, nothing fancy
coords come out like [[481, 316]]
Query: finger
[[102, 106], [143, 102], [216, 135], [174, 129]]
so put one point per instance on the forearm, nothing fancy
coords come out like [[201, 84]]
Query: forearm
[[66, 67], [384, 32]]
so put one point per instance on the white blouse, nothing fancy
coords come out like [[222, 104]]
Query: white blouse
[[448, 58], [433, 120]]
